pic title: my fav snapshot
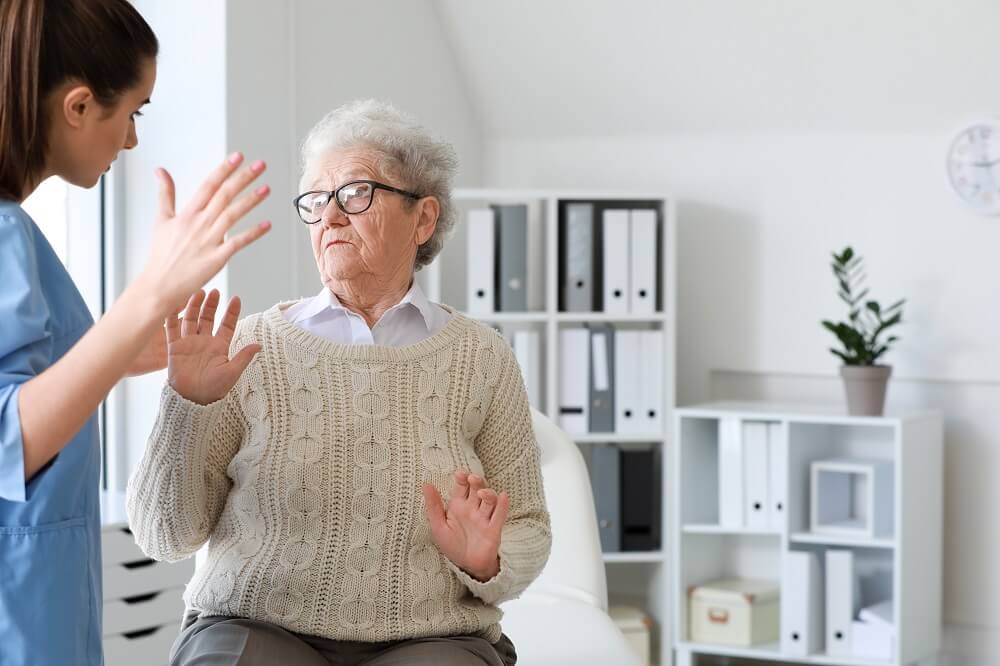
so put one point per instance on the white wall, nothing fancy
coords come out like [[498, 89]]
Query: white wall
[[758, 217]]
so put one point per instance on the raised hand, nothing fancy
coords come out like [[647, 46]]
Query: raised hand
[[198, 363], [190, 245], [468, 530]]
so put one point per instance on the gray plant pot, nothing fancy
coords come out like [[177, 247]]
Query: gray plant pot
[[865, 386]]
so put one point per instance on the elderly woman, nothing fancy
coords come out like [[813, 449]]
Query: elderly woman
[[318, 475]]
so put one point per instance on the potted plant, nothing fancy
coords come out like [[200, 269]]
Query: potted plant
[[861, 337]]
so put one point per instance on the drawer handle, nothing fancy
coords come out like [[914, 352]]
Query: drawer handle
[[132, 635], [138, 564], [140, 598], [718, 615]]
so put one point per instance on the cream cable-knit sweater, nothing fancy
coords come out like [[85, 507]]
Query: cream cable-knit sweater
[[306, 482]]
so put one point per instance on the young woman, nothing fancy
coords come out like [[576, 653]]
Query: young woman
[[73, 76]]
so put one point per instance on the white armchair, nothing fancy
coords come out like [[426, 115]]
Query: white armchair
[[562, 617]]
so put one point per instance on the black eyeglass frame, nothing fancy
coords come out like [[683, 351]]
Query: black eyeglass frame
[[375, 185]]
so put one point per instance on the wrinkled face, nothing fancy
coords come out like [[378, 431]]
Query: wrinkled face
[[86, 137], [379, 244]]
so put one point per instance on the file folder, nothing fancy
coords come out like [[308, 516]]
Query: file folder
[[528, 351], [643, 251], [730, 472], [628, 382], [615, 246], [756, 470], [605, 479], [777, 457], [802, 625], [512, 272], [842, 596], [574, 380], [578, 249], [602, 378], [640, 500], [481, 257], [652, 371]]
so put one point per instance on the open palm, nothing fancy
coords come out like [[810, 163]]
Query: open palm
[[468, 530], [198, 363]]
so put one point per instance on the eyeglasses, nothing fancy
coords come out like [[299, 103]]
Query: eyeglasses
[[352, 198]]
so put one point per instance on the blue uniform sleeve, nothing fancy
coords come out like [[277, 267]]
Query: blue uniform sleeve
[[24, 344]]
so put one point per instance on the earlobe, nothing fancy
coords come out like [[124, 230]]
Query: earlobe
[[429, 212]]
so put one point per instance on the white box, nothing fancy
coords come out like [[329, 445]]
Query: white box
[[852, 497], [872, 641], [636, 626], [735, 611]]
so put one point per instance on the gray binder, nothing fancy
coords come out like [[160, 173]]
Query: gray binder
[[512, 265], [578, 246], [605, 478], [602, 378]]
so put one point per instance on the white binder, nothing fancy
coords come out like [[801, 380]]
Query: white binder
[[481, 258], [615, 240], [651, 369], [527, 350], [841, 599], [730, 472], [756, 468], [802, 623], [777, 480], [643, 251], [574, 380], [627, 382]]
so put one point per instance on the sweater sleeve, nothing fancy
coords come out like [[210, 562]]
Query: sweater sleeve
[[509, 453], [178, 491]]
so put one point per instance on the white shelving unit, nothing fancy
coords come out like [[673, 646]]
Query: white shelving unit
[[638, 578], [907, 563]]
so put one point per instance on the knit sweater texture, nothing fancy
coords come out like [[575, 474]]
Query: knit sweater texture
[[305, 481]]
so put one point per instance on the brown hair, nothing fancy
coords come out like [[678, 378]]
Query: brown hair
[[43, 43]]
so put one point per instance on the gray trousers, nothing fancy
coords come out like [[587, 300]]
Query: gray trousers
[[228, 641]]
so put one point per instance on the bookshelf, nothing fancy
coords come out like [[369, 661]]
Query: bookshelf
[[638, 578], [904, 565]]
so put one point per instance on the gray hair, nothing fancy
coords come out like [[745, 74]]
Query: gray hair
[[405, 151]]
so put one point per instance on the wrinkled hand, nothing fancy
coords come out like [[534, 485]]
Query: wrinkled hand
[[198, 363], [190, 244], [153, 357], [467, 531]]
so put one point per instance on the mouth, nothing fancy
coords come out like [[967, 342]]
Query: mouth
[[337, 242]]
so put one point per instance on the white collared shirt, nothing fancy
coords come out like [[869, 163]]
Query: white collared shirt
[[408, 322]]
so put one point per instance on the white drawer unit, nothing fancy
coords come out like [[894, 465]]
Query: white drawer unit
[[143, 598]]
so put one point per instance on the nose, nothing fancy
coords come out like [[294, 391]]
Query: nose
[[333, 216], [131, 139]]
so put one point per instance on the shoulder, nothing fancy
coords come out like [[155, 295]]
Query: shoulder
[[486, 337], [16, 226]]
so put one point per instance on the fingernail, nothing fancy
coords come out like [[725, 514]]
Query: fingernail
[[262, 190], [235, 157], [257, 166], [265, 225]]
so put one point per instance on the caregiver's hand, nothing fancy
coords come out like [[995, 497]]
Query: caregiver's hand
[[198, 363], [190, 245], [467, 532]]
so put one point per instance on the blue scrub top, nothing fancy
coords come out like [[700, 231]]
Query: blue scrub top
[[50, 545]]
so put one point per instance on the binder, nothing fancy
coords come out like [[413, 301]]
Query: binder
[[512, 272], [605, 479], [640, 500], [528, 351], [578, 258], [730, 472], [842, 596], [481, 257], [651, 369], [536, 256], [756, 469], [643, 251], [802, 625], [574, 380], [627, 384], [602, 374], [777, 457], [615, 247]]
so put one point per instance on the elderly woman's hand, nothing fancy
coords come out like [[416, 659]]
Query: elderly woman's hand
[[467, 532], [198, 363]]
